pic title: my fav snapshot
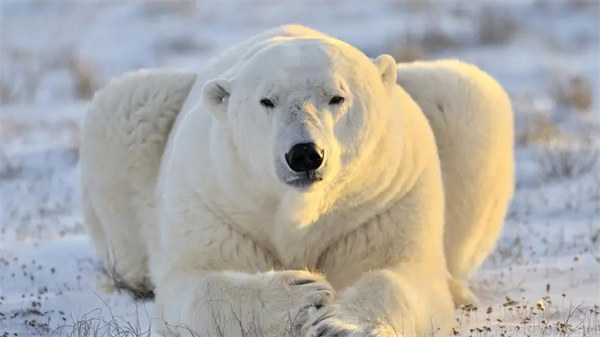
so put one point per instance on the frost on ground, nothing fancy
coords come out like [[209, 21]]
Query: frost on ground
[[544, 278]]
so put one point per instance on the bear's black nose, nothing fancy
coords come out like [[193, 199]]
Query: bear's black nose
[[304, 157]]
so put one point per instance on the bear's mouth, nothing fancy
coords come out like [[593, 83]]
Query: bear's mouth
[[305, 179]]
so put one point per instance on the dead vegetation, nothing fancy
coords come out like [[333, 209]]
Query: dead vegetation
[[564, 142], [96, 324], [560, 159], [512, 318], [31, 69], [543, 318], [495, 25], [535, 129], [414, 47], [103, 322], [8, 170], [574, 91], [409, 51], [82, 75]]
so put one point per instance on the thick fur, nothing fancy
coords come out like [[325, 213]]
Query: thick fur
[[228, 241], [472, 120], [124, 135]]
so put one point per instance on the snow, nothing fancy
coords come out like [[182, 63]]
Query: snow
[[549, 254]]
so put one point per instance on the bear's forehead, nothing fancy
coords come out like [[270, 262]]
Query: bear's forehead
[[304, 56], [302, 62]]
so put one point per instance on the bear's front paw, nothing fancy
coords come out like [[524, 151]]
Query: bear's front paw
[[333, 322], [292, 296], [334, 327]]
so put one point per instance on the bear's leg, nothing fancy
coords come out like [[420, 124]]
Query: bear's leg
[[473, 237], [406, 293], [214, 281], [94, 227], [226, 303], [408, 300], [461, 293], [126, 253]]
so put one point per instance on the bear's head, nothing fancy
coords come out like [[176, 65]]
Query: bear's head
[[303, 112]]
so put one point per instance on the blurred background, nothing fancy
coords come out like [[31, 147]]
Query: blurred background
[[55, 54], [57, 51]]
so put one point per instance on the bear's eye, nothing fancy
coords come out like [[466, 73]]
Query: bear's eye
[[267, 103], [336, 100]]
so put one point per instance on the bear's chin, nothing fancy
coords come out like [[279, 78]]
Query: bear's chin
[[305, 180]]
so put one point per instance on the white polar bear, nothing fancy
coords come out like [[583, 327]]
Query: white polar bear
[[297, 167]]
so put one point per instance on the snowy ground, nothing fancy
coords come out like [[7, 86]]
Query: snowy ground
[[544, 278]]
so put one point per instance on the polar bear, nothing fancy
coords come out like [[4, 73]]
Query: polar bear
[[295, 186]]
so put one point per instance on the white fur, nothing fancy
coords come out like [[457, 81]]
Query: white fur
[[472, 120], [124, 135], [235, 239]]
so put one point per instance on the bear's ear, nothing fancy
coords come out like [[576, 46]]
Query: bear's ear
[[387, 69], [215, 96]]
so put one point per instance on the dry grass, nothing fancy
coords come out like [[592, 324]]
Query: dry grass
[[7, 91], [413, 47], [571, 4], [31, 69], [95, 324], [178, 7], [562, 159], [435, 39], [582, 4], [495, 26], [8, 170], [574, 91], [83, 76], [409, 51], [533, 125], [512, 318], [535, 129], [24, 79], [102, 322], [544, 318]]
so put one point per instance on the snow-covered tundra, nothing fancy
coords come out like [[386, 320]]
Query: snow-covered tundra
[[294, 186]]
